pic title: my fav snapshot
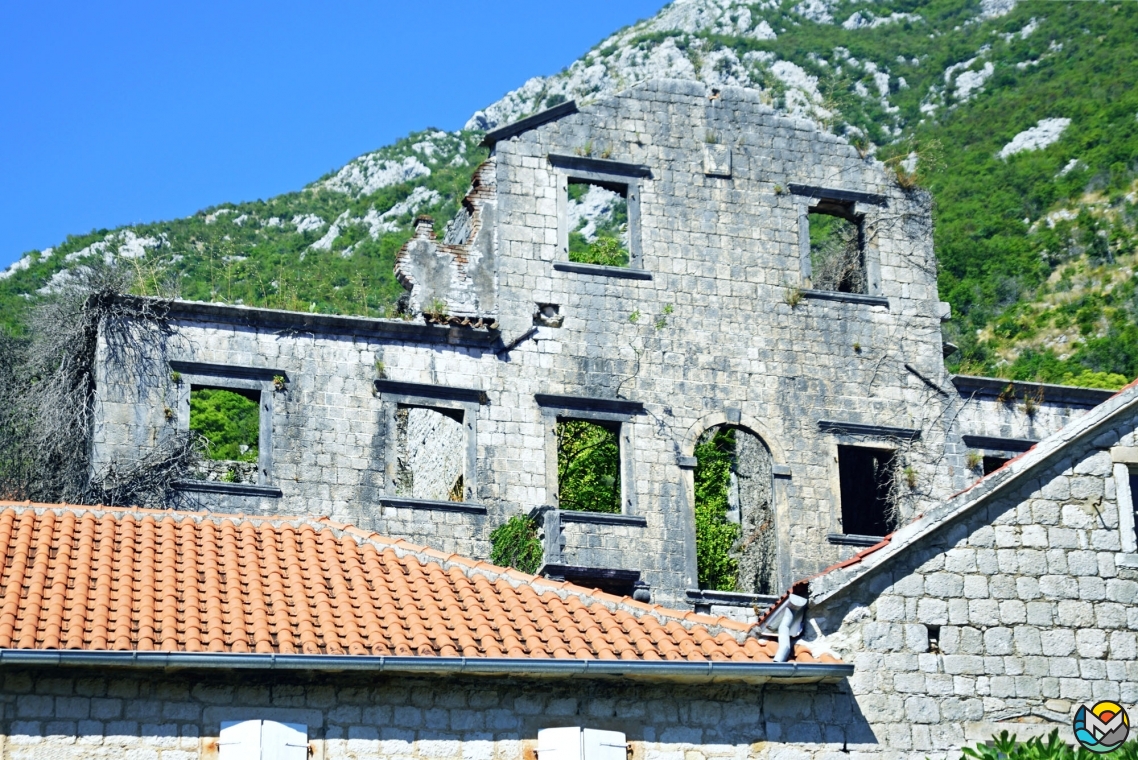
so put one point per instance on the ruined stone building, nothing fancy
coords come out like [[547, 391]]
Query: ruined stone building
[[922, 561], [440, 429]]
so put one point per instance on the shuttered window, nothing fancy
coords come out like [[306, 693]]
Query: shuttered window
[[263, 740], [577, 743]]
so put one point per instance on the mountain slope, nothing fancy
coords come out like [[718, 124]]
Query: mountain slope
[[1021, 119]]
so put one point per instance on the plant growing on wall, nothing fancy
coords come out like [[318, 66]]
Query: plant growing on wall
[[714, 536], [515, 544]]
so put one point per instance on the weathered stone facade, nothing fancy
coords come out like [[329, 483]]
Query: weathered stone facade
[[82, 715], [1002, 608], [713, 322]]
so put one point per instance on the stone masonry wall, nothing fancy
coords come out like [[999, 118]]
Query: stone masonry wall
[[1008, 618], [712, 332], [80, 715]]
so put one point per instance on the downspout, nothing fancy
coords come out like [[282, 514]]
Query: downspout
[[789, 617], [785, 642]]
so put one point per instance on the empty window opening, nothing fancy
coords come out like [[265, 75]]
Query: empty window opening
[[868, 480], [588, 466], [991, 464], [430, 453], [934, 637], [598, 223], [229, 421], [734, 513], [1134, 497], [837, 256]]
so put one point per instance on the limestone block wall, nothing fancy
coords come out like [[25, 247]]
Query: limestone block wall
[[1008, 618], [1019, 411], [70, 715], [723, 255], [326, 435], [714, 324]]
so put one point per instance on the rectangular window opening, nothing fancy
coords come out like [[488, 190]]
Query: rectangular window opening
[[867, 484], [934, 637], [229, 421], [598, 223], [588, 465], [1134, 498], [837, 248], [430, 453], [991, 464]]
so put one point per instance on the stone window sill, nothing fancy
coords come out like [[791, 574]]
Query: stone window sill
[[602, 518], [602, 271], [833, 295], [852, 539], [399, 502], [697, 596], [231, 489]]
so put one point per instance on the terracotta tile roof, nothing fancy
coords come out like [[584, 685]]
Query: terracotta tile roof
[[97, 578]]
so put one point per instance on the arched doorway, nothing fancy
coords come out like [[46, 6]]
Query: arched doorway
[[736, 547]]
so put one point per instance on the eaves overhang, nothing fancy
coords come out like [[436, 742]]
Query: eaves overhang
[[660, 670]]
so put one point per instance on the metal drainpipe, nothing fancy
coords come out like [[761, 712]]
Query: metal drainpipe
[[785, 644], [707, 670]]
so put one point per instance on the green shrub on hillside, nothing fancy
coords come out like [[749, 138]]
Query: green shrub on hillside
[[229, 421]]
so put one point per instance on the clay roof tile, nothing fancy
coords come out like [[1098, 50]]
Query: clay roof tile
[[135, 579]]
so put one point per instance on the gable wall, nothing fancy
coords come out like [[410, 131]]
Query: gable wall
[[1037, 610]]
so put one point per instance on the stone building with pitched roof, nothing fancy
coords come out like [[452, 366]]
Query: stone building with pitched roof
[[958, 553]]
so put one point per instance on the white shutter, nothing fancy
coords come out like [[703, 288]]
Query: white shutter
[[239, 740], [604, 745], [580, 744], [559, 744], [283, 741]]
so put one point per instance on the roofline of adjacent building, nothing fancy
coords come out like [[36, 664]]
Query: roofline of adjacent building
[[667, 670]]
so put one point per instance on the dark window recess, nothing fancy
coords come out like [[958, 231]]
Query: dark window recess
[[837, 248], [867, 483], [588, 466], [934, 638], [229, 421], [991, 464], [598, 223], [1134, 495]]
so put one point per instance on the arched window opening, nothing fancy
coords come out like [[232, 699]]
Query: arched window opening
[[734, 512]]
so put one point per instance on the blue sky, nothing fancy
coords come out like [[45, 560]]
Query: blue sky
[[115, 113]]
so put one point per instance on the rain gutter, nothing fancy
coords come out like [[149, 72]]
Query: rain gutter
[[487, 666]]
